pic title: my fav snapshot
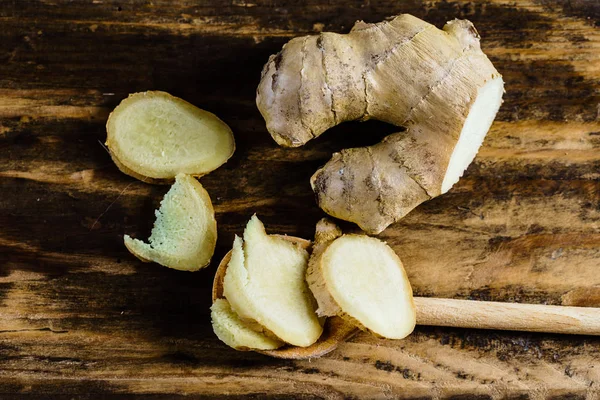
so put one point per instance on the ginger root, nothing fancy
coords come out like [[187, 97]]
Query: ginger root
[[153, 136], [438, 84], [362, 280], [185, 232]]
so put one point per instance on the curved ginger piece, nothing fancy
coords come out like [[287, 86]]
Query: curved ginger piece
[[436, 83], [184, 235], [235, 332]]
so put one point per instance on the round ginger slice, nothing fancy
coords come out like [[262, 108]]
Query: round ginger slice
[[153, 136], [361, 279]]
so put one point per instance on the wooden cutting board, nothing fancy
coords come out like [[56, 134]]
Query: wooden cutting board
[[82, 318]]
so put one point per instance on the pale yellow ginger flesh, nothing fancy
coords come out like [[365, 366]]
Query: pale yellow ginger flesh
[[185, 232], [438, 84], [153, 136], [236, 333], [361, 279], [264, 283]]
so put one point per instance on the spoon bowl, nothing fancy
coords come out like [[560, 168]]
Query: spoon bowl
[[335, 331]]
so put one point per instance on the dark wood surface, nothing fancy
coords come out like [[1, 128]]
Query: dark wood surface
[[82, 318]]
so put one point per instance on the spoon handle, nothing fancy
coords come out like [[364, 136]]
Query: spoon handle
[[507, 316]]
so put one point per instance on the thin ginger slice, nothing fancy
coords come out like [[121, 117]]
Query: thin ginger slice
[[185, 232], [235, 332], [265, 283], [362, 280], [153, 136]]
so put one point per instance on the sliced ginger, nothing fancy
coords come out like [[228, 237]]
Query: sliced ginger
[[235, 332], [185, 232], [265, 283], [153, 136], [361, 279]]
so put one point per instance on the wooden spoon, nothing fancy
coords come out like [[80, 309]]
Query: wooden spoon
[[445, 312]]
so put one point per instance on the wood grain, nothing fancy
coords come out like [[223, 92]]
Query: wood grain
[[81, 318]]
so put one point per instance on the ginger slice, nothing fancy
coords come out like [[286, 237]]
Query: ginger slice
[[185, 232], [236, 333], [153, 136], [264, 283], [362, 280]]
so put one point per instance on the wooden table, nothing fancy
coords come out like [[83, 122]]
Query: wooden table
[[82, 318]]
